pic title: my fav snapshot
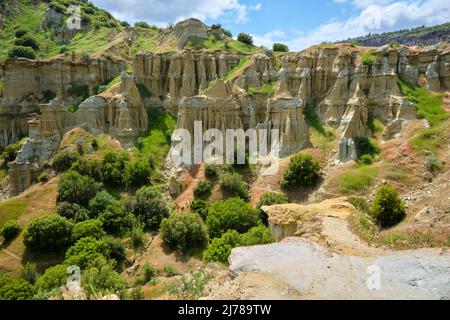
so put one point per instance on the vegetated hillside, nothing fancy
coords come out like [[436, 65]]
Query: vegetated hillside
[[420, 36], [42, 26]]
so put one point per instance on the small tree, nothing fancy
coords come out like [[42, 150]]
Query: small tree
[[116, 220], [27, 41], [211, 171], [150, 206], [137, 172], [53, 278], [280, 47], [22, 52], [113, 167], [100, 203], [183, 232], [17, 289], [302, 171], [257, 236], [29, 273], [231, 214], [10, 230], [200, 207], [49, 233], [72, 211], [220, 248], [245, 38], [86, 250], [64, 160], [142, 24], [203, 190], [234, 186], [387, 208], [88, 228], [76, 188]]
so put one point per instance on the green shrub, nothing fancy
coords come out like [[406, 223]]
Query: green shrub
[[116, 220], [231, 214], [43, 177], [220, 248], [150, 207], [228, 33], [256, 236], [387, 208], [366, 160], [245, 38], [280, 47], [268, 199], [75, 188], [125, 24], [88, 228], [10, 152], [48, 95], [137, 236], [17, 289], [137, 172], [101, 279], [200, 207], [27, 41], [113, 167], [169, 270], [302, 171], [19, 33], [64, 160], [211, 171], [234, 186], [89, 167], [203, 190], [141, 24], [368, 58], [22, 52], [183, 232], [433, 164], [72, 211], [10, 230], [86, 250], [50, 233], [359, 203], [29, 273], [190, 286], [100, 203], [53, 278], [149, 272], [116, 250], [366, 146]]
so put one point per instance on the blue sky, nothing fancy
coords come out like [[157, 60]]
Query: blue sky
[[297, 23]]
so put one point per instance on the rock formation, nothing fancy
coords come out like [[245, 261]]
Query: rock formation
[[123, 116], [26, 83]]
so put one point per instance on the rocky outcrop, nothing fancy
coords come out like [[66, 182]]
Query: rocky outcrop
[[27, 83], [318, 273], [123, 116], [178, 36]]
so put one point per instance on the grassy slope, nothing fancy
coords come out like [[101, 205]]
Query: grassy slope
[[156, 142], [212, 44], [430, 107]]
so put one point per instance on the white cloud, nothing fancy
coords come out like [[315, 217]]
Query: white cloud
[[161, 12], [373, 16]]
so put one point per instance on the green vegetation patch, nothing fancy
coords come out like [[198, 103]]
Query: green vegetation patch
[[429, 106], [12, 209], [357, 180]]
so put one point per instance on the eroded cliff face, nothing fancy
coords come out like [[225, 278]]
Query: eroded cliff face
[[223, 90], [330, 82], [121, 115], [27, 83]]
